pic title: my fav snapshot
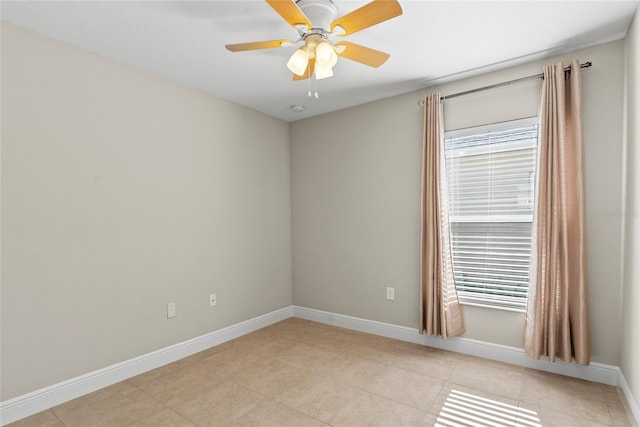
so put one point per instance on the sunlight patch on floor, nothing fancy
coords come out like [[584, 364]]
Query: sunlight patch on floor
[[464, 409]]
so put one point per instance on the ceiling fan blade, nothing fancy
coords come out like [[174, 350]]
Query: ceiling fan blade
[[239, 47], [368, 15], [290, 12], [364, 55], [308, 72]]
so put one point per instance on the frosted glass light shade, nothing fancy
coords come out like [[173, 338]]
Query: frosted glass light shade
[[323, 72], [298, 61], [326, 56]]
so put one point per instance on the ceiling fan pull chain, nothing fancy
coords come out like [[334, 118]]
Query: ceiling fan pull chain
[[315, 83]]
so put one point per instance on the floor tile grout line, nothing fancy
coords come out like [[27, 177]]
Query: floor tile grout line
[[58, 418], [610, 417], [374, 393], [391, 364], [297, 410], [327, 377], [423, 410], [162, 403]]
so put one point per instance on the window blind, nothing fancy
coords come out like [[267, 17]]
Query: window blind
[[491, 178]]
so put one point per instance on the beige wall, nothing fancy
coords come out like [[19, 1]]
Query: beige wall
[[355, 178], [630, 345], [122, 192]]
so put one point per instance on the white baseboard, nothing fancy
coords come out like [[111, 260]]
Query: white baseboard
[[48, 397], [597, 372], [633, 404]]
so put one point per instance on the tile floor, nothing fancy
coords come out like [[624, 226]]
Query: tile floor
[[298, 373]]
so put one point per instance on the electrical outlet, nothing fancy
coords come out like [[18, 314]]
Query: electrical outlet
[[212, 300], [391, 293], [171, 310]]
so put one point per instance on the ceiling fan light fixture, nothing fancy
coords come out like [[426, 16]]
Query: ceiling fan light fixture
[[326, 56], [299, 61], [315, 21], [323, 72]]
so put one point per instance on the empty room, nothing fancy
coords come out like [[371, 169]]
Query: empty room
[[320, 213]]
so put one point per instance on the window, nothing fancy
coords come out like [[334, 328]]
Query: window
[[491, 178]]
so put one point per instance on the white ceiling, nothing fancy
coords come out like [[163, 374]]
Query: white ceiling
[[432, 42]]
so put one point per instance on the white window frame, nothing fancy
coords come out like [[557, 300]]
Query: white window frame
[[493, 127]]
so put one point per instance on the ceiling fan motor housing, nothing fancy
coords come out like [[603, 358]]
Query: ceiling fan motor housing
[[321, 13]]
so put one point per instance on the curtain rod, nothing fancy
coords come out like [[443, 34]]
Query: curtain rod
[[508, 82]]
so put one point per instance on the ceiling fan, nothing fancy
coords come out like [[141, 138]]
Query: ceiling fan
[[316, 21]]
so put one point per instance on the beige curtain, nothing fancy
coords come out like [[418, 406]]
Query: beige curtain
[[440, 311], [557, 313]]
